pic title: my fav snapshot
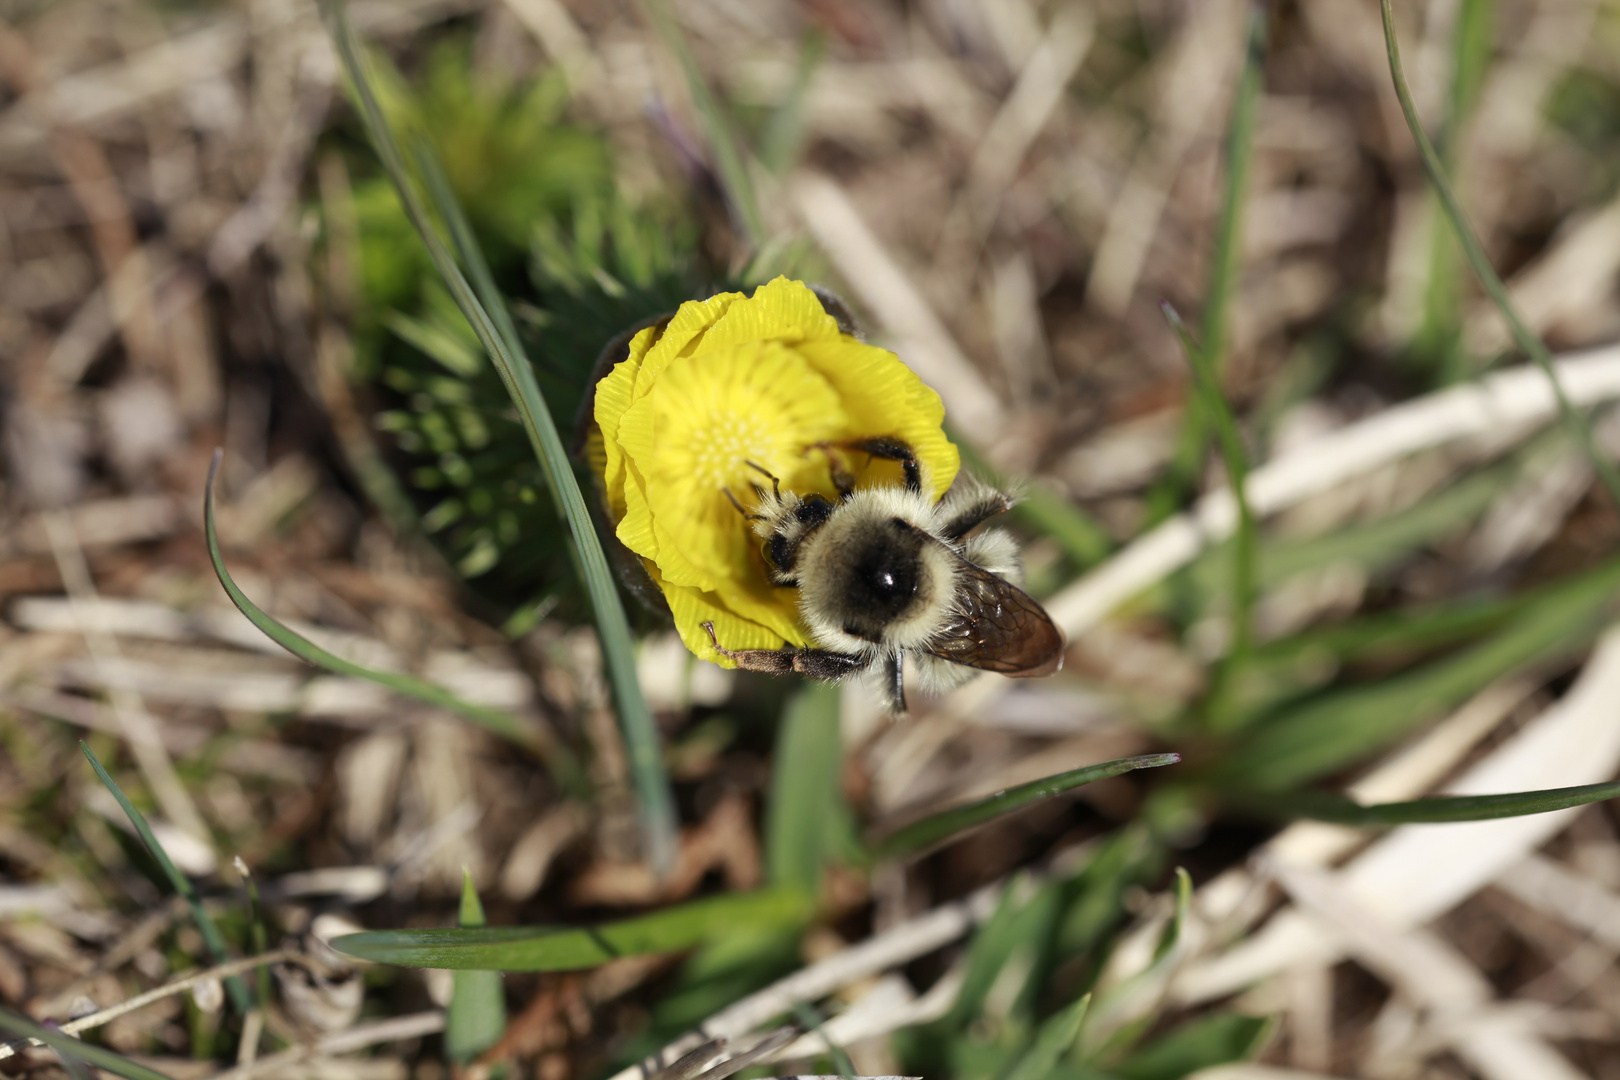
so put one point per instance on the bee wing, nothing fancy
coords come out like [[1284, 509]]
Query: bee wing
[[996, 626]]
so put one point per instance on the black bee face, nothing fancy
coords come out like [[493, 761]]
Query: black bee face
[[883, 578], [788, 530]]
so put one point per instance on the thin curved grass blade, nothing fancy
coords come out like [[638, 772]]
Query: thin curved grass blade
[[501, 723], [1171, 937], [1245, 543], [922, 835], [545, 948], [1436, 810], [70, 1046], [241, 999], [654, 799], [730, 159], [1227, 261], [1225, 266], [1580, 431], [1055, 1039], [810, 1020], [784, 135]]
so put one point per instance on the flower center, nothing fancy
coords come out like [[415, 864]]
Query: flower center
[[729, 441]]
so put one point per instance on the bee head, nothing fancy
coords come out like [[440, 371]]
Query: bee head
[[782, 520], [881, 574], [871, 577]]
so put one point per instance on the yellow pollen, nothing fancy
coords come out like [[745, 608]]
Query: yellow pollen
[[731, 440]]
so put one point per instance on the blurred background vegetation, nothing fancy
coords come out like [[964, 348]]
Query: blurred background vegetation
[[201, 249]]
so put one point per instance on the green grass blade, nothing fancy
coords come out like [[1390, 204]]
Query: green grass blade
[[1387, 637], [1436, 810], [1380, 543], [466, 245], [1340, 728], [1304, 662], [476, 1018], [1473, 45], [258, 938], [807, 822], [1217, 1039], [76, 1067], [1438, 341], [784, 134], [241, 999], [1245, 549], [1225, 268], [501, 723], [1178, 921], [1055, 1038], [544, 948], [937, 828], [654, 799], [1528, 342], [1133, 856], [730, 159], [1123, 1012], [1017, 935], [810, 1020], [67, 1045], [1082, 538]]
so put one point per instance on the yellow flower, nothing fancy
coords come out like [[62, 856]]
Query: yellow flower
[[732, 380]]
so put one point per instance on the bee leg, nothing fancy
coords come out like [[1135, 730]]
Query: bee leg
[[894, 683], [826, 664], [814, 663], [837, 467], [892, 449], [983, 506]]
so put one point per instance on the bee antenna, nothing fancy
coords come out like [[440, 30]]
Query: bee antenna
[[746, 515], [776, 485]]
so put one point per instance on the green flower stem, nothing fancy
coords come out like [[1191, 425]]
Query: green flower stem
[[655, 801]]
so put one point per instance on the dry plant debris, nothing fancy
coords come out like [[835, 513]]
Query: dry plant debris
[[1007, 189]]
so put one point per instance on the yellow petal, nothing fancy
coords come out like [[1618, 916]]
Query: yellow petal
[[684, 331], [780, 310], [693, 607], [771, 606], [884, 397], [708, 417], [635, 528], [611, 400], [751, 611], [732, 380]]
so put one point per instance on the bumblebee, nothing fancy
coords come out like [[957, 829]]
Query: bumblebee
[[886, 572]]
